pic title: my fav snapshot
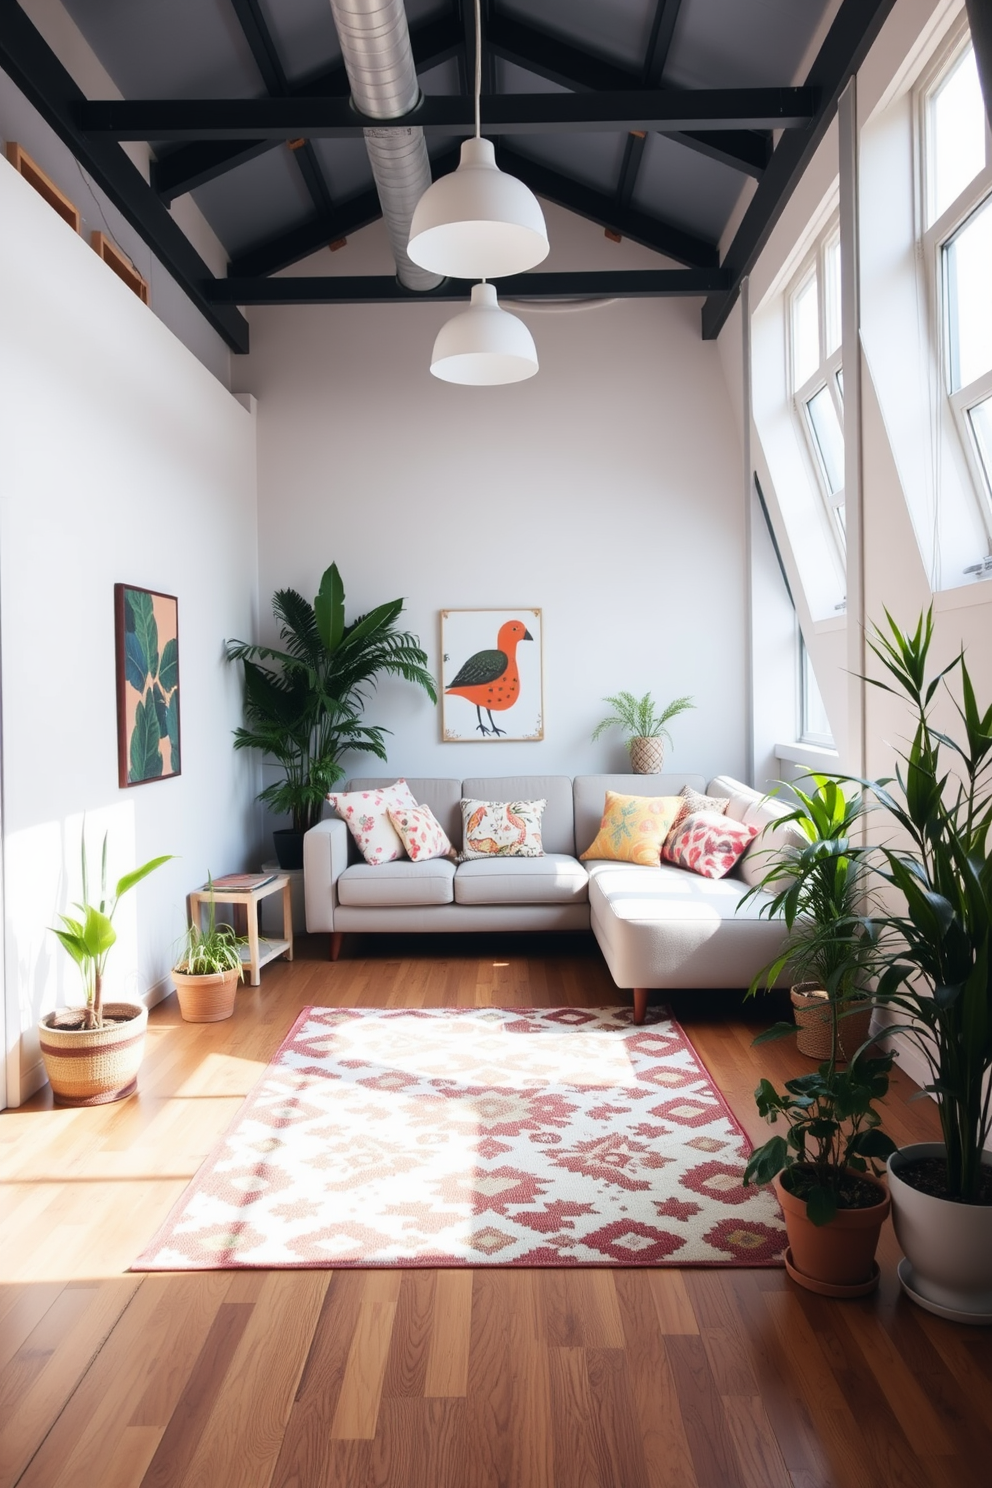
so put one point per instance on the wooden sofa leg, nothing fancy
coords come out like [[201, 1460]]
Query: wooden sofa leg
[[640, 1003], [337, 936]]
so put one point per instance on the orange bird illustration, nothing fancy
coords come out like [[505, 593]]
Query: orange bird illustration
[[490, 679]]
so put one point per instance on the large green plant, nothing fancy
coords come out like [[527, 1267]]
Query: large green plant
[[938, 981], [639, 717], [305, 711], [89, 940]]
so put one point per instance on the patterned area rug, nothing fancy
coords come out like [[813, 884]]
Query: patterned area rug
[[476, 1137]]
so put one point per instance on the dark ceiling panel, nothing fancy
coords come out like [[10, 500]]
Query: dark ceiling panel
[[593, 159], [169, 48], [304, 35], [616, 29], [731, 44], [345, 164], [442, 79], [513, 79], [231, 203], [685, 188]]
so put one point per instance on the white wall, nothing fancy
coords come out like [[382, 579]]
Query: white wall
[[123, 460], [606, 491]]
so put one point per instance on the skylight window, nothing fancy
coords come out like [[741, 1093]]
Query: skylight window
[[805, 331], [817, 375], [968, 275], [956, 134]]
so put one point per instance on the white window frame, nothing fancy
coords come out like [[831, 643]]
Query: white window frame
[[827, 375], [805, 670], [933, 240]]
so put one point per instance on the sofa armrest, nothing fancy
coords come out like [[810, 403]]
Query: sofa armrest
[[325, 857]]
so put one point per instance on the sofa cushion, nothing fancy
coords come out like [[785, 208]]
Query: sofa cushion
[[589, 795], [771, 842], [421, 834], [441, 795], [367, 815], [554, 879], [557, 829], [707, 843], [502, 829], [401, 882], [634, 828]]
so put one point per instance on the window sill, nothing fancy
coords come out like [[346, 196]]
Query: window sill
[[814, 756], [964, 596]]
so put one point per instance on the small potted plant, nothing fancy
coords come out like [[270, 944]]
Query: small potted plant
[[92, 1053], [644, 727], [824, 1172], [209, 969]]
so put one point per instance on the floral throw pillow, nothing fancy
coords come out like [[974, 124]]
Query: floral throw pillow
[[421, 833], [708, 843], [633, 828], [367, 815], [502, 829]]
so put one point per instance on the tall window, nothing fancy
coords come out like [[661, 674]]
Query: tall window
[[957, 197], [817, 377], [814, 725]]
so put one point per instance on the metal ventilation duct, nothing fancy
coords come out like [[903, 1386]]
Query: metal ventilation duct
[[375, 43]]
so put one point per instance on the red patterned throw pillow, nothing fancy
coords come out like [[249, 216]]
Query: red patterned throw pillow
[[421, 833], [707, 843]]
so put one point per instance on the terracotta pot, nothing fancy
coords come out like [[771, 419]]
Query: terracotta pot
[[93, 1066], [647, 756], [948, 1246], [813, 1019], [837, 1259], [206, 999]]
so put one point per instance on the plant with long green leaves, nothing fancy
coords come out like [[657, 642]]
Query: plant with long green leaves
[[820, 890], [833, 1129], [938, 982], [305, 712], [212, 951], [639, 717], [89, 940]]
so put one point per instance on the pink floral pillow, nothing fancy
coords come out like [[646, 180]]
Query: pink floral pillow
[[421, 833], [367, 815], [707, 843]]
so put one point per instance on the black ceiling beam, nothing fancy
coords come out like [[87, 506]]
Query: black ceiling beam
[[665, 110], [659, 44], [980, 24], [267, 60], [845, 47], [34, 68], [604, 210], [377, 289], [193, 165], [570, 67]]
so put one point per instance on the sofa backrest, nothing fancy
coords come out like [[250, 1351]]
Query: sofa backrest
[[589, 794], [442, 796], [754, 809], [557, 826]]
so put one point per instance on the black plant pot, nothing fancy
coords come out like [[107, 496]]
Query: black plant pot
[[289, 848]]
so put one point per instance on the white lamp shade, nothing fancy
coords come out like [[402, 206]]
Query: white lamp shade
[[484, 345], [478, 222]]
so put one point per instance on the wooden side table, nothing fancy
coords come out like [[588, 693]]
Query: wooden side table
[[250, 899]]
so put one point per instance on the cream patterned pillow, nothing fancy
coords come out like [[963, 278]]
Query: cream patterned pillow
[[421, 833], [502, 829], [367, 815], [693, 801]]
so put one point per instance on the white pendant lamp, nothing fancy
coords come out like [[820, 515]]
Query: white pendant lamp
[[484, 345], [478, 222]]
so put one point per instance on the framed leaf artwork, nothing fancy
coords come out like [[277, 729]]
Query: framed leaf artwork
[[147, 634], [492, 685]]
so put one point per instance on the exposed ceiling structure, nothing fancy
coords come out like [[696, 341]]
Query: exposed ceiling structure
[[647, 117]]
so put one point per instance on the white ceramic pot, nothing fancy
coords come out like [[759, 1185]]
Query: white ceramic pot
[[948, 1246]]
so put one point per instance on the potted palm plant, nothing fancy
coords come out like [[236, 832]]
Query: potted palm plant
[[92, 1053], [304, 712], [937, 985], [644, 727], [209, 969]]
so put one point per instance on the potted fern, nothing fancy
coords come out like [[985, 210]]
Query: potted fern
[[209, 969], [644, 727]]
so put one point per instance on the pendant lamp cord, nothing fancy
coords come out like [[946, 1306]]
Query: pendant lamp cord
[[478, 69]]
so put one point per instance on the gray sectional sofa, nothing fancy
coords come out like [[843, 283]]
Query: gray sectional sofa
[[657, 927]]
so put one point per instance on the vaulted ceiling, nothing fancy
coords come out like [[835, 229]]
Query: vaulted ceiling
[[648, 117]]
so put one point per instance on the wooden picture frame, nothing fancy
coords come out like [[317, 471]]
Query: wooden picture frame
[[147, 654], [492, 677]]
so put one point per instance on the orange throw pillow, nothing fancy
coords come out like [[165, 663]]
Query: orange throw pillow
[[633, 828]]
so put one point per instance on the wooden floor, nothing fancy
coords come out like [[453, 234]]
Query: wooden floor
[[454, 1379]]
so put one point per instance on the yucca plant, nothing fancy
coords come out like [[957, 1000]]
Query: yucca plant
[[89, 940], [305, 711], [639, 718]]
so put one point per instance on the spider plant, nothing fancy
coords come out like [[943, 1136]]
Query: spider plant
[[212, 951], [639, 718]]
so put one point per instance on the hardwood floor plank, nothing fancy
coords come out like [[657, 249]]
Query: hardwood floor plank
[[759, 1458], [671, 1302], [406, 1365], [667, 1457], [710, 1443], [572, 1412], [617, 1443], [531, 1446], [361, 1388], [420, 1444], [451, 1333]]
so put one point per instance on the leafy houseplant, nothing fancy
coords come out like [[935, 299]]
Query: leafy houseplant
[[644, 727], [208, 969], [305, 711], [92, 1054]]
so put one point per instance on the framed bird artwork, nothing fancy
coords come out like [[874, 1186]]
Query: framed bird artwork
[[492, 676]]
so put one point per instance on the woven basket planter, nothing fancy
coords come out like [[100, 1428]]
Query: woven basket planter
[[813, 1019], [206, 999], [93, 1066], [647, 756]]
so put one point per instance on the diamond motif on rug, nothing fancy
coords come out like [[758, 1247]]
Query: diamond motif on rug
[[476, 1137]]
